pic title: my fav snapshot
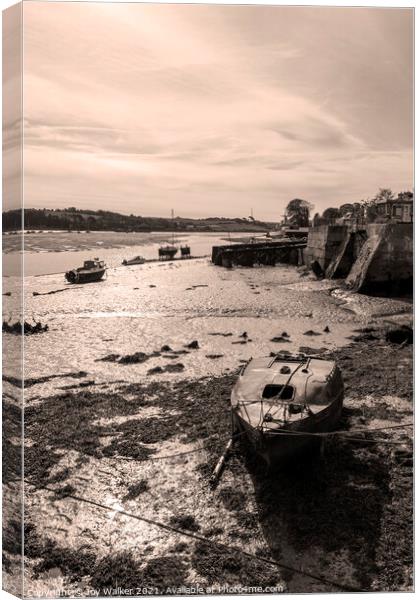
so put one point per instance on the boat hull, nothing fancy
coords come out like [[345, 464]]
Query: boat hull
[[281, 448], [78, 277]]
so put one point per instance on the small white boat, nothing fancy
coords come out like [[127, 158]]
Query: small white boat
[[136, 260]]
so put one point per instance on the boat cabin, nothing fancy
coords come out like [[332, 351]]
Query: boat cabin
[[93, 264]]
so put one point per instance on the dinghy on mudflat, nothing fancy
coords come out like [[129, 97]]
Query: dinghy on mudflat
[[280, 401], [136, 260]]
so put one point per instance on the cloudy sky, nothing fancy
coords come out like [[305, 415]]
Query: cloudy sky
[[212, 110]]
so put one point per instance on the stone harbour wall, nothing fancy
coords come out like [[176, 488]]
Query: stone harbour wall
[[385, 261], [324, 242], [375, 259]]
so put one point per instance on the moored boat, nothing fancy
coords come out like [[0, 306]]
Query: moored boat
[[92, 270], [136, 260], [185, 251], [280, 403], [167, 252]]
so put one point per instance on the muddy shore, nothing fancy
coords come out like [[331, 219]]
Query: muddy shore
[[127, 411], [344, 521]]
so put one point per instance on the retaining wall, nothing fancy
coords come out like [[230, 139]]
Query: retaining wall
[[377, 259], [385, 261], [323, 244]]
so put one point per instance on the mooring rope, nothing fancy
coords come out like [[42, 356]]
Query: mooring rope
[[200, 538]]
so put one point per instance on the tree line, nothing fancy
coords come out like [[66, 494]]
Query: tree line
[[73, 219]]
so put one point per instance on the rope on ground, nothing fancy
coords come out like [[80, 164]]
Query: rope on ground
[[346, 438], [201, 538], [343, 432], [279, 432]]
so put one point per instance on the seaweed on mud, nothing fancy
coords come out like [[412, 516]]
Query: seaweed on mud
[[109, 358], [247, 525], [128, 359], [11, 451], [129, 448], [12, 537], [76, 386], [310, 350], [59, 476], [136, 358], [68, 421], [26, 328], [38, 463], [65, 491], [155, 370], [147, 431], [179, 547], [378, 410], [364, 337], [119, 570], [173, 368], [122, 571], [136, 489], [7, 563], [394, 553], [30, 381], [232, 499], [366, 329], [186, 522], [374, 369], [165, 572], [194, 410], [228, 334], [217, 564], [73, 563], [213, 532]]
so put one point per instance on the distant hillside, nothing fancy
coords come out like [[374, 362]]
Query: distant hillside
[[101, 220]]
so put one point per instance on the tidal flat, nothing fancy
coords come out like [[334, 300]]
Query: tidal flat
[[120, 442]]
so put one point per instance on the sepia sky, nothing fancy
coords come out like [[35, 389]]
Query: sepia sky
[[212, 110]]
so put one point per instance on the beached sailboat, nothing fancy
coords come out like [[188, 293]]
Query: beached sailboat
[[136, 260], [92, 270], [279, 402], [168, 251]]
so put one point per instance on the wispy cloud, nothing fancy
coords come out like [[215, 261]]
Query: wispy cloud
[[212, 109]]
